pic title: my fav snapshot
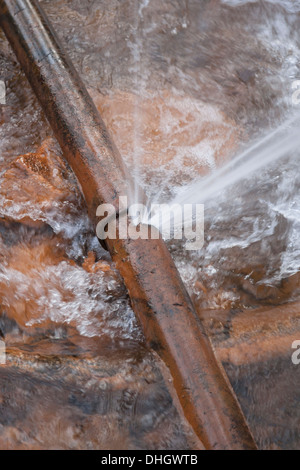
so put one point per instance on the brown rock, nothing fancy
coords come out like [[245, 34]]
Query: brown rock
[[167, 128], [36, 182]]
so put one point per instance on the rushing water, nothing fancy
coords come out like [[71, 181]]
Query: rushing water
[[197, 95], [227, 192]]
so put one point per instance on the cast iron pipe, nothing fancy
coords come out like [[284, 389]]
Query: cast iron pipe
[[157, 293]]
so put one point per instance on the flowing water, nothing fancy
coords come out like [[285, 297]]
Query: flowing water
[[198, 97]]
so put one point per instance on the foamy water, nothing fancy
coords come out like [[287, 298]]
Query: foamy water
[[290, 5], [184, 87], [179, 112]]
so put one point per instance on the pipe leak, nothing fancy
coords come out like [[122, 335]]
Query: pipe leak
[[159, 298]]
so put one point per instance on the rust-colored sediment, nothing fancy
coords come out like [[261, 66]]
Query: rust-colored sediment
[[253, 336], [158, 296]]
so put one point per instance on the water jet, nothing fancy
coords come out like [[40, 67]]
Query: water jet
[[157, 293]]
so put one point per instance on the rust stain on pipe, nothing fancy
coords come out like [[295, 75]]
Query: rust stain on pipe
[[158, 295]]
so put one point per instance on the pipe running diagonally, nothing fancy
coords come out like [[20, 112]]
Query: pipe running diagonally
[[158, 296]]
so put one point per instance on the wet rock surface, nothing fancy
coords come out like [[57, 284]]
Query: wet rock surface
[[77, 373], [164, 137], [180, 84], [69, 401], [255, 348]]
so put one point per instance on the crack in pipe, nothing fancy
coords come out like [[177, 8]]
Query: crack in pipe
[[158, 296]]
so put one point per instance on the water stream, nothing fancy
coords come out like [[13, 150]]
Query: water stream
[[198, 97]]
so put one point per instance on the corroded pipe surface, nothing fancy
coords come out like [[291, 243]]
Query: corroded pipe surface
[[158, 295]]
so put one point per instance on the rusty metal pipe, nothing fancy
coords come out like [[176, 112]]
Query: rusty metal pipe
[[157, 293]]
